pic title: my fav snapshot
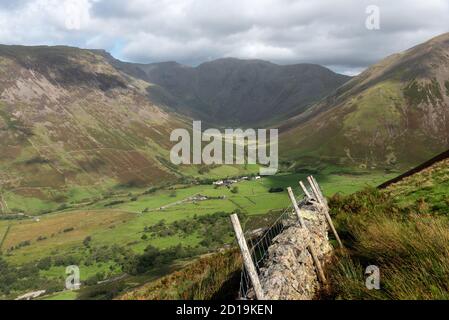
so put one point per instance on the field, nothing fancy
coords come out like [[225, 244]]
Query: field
[[103, 236]]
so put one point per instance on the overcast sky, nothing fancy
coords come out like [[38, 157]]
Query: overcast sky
[[328, 32]]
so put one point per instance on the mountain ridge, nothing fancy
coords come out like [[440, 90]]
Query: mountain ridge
[[394, 114], [69, 119], [232, 91]]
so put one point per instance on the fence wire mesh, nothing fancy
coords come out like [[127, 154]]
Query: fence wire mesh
[[258, 247]]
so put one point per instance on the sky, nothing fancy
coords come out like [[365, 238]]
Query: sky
[[344, 35]]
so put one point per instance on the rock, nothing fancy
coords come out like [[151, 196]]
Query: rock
[[289, 272]]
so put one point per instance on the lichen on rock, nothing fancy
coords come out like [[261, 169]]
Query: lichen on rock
[[289, 272]]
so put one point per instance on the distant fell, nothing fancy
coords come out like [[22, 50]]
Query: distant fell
[[236, 92], [395, 114]]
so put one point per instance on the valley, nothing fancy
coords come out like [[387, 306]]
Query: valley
[[86, 177], [400, 228], [103, 236]]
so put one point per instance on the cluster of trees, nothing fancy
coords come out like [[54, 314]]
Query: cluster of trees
[[156, 258], [28, 277], [114, 203], [215, 229], [24, 278], [276, 190], [14, 216]]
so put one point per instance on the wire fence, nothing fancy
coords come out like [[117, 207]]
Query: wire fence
[[258, 247], [255, 246]]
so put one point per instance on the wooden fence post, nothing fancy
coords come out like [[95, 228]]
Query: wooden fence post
[[315, 192], [317, 263], [295, 206], [310, 247], [318, 188], [247, 260], [325, 208], [304, 189]]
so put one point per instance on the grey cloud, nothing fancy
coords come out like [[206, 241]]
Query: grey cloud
[[327, 32], [116, 9], [13, 5]]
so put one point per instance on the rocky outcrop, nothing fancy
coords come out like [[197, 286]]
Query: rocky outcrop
[[289, 272]]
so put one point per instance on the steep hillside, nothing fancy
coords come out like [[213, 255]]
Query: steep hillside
[[427, 189], [213, 277], [237, 92], [395, 114], [403, 230], [438, 159], [69, 120]]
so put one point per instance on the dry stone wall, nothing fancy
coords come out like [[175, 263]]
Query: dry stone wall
[[289, 272]]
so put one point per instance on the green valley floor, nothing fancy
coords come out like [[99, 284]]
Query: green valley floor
[[144, 233]]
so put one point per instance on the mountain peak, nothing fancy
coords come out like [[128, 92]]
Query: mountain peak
[[231, 91], [235, 61]]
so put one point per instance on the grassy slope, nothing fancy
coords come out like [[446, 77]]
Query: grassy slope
[[404, 231], [374, 129], [184, 285], [429, 188], [204, 279], [390, 116], [97, 131], [123, 224], [66, 295]]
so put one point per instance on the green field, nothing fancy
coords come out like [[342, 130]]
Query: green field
[[66, 295], [125, 223]]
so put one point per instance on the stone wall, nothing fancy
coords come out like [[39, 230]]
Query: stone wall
[[289, 272]]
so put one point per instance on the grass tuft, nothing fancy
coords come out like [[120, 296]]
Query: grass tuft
[[208, 278], [410, 247]]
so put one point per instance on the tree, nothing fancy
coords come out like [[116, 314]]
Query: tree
[[87, 241], [44, 264]]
